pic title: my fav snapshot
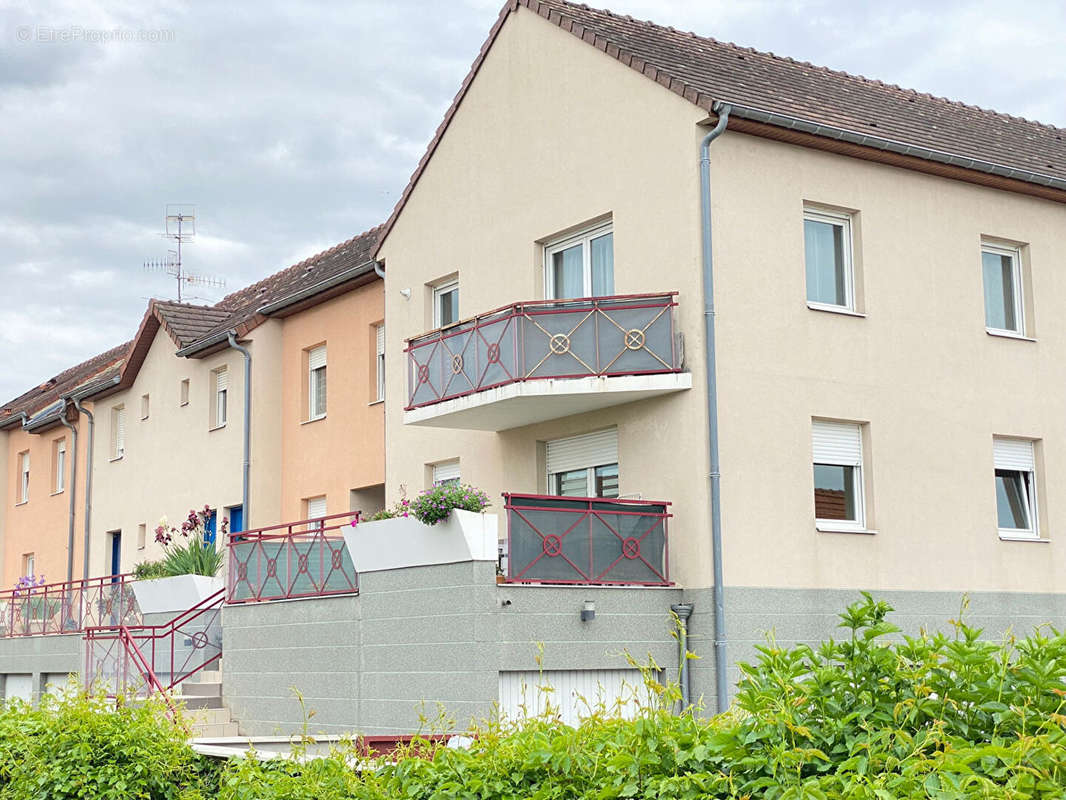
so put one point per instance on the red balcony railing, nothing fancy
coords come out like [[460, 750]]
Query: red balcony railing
[[69, 607], [141, 659], [586, 540], [603, 336], [295, 559]]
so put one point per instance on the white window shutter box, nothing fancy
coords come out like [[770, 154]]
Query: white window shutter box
[[581, 452], [448, 471], [221, 380], [380, 339], [316, 358], [1014, 454], [316, 507], [836, 443]]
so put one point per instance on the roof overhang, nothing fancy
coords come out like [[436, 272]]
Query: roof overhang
[[334, 286]]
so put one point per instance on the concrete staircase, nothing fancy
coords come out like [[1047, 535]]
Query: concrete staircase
[[202, 697]]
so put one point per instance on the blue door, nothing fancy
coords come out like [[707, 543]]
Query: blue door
[[236, 519], [116, 553], [209, 528]]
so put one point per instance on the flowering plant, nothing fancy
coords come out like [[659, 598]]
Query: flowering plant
[[193, 553], [401, 509], [27, 583], [434, 505]]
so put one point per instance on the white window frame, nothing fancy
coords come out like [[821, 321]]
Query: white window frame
[[1018, 289], [1032, 499], [858, 477], [601, 444], [379, 360], [146, 406], [220, 407], [313, 386], [24, 477], [584, 238], [60, 465], [439, 291], [843, 220], [118, 432], [183, 392], [29, 564]]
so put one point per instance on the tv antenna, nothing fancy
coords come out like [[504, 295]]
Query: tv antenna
[[179, 225]]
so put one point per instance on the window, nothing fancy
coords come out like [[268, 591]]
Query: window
[[315, 509], [584, 466], [1015, 467], [1002, 271], [59, 460], [316, 382], [828, 257], [219, 410], [145, 406], [24, 476], [379, 359], [838, 481], [29, 564], [446, 304], [183, 392], [581, 265], [446, 473], [142, 535], [118, 432]]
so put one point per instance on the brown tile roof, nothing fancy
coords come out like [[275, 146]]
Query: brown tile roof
[[187, 323], [704, 70], [96, 368]]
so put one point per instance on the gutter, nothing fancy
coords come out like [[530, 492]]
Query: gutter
[[88, 482], [379, 270], [893, 146], [73, 487], [196, 347], [721, 675], [247, 466], [329, 283]]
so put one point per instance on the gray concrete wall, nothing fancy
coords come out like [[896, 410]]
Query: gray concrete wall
[[41, 657]]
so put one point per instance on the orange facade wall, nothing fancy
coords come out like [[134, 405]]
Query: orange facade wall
[[40, 525], [345, 450]]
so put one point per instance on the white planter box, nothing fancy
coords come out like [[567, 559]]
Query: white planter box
[[406, 542], [174, 595]]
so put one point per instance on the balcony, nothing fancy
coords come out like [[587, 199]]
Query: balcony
[[542, 360], [586, 541]]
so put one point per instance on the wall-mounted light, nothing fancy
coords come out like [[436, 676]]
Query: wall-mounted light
[[406, 294], [588, 611]]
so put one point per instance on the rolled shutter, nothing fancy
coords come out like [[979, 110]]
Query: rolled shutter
[[836, 443], [448, 471], [582, 452], [1014, 454], [380, 339], [120, 435], [316, 507], [221, 380], [316, 358]]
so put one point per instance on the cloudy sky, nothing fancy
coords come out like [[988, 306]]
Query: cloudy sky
[[294, 126]]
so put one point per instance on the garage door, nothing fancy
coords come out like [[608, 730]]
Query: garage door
[[572, 692]]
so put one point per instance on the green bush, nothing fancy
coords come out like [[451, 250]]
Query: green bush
[[434, 505], [78, 746], [147, 570]]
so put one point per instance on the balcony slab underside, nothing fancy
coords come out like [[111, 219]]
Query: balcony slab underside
[[527, 402]]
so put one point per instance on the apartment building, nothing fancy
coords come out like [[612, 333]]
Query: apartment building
[[168, 425], [885, 273]]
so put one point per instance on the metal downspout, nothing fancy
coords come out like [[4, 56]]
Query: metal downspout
[[379, 270], [88, 481], [73, 488], [720, 664], [232, 337]]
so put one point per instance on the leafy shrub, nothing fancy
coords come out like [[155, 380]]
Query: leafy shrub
[[147, 570], [434, 505], [192, 554], [78, 746]]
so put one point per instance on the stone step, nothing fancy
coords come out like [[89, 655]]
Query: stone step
[[210, 716], [190, 689], [194, 702], [205, 676], [214, 730]]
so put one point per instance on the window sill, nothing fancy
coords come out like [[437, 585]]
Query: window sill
[[113, 459], [828, 528], [847, 312], [182, 405], [21, 503], [217, 427], [313, 419], [53, 494], [1008, 537], [1008, 335], [376, 402]]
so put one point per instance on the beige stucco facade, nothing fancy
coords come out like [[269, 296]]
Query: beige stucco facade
[[177, 459], [341, 455], [553, 134]]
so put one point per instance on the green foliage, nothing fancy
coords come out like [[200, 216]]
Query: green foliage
[[77, 746], [434, 505], [147, 570], [187, 550]]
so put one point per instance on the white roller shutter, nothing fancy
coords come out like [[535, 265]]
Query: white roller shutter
[[1014, 454], [581, 452], [380, 339], [316, 507], [316, 358], [221, 380], [576, 693], [836, 443], [447, 471], [20, 686]]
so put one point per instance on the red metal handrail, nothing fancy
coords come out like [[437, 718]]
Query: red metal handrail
[[110, 649], [307, 558], [492, 349], [587, 540], [68, 606]]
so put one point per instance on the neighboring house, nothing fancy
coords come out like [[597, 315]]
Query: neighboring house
[[39, 474], [169, 420], [889, 351]]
